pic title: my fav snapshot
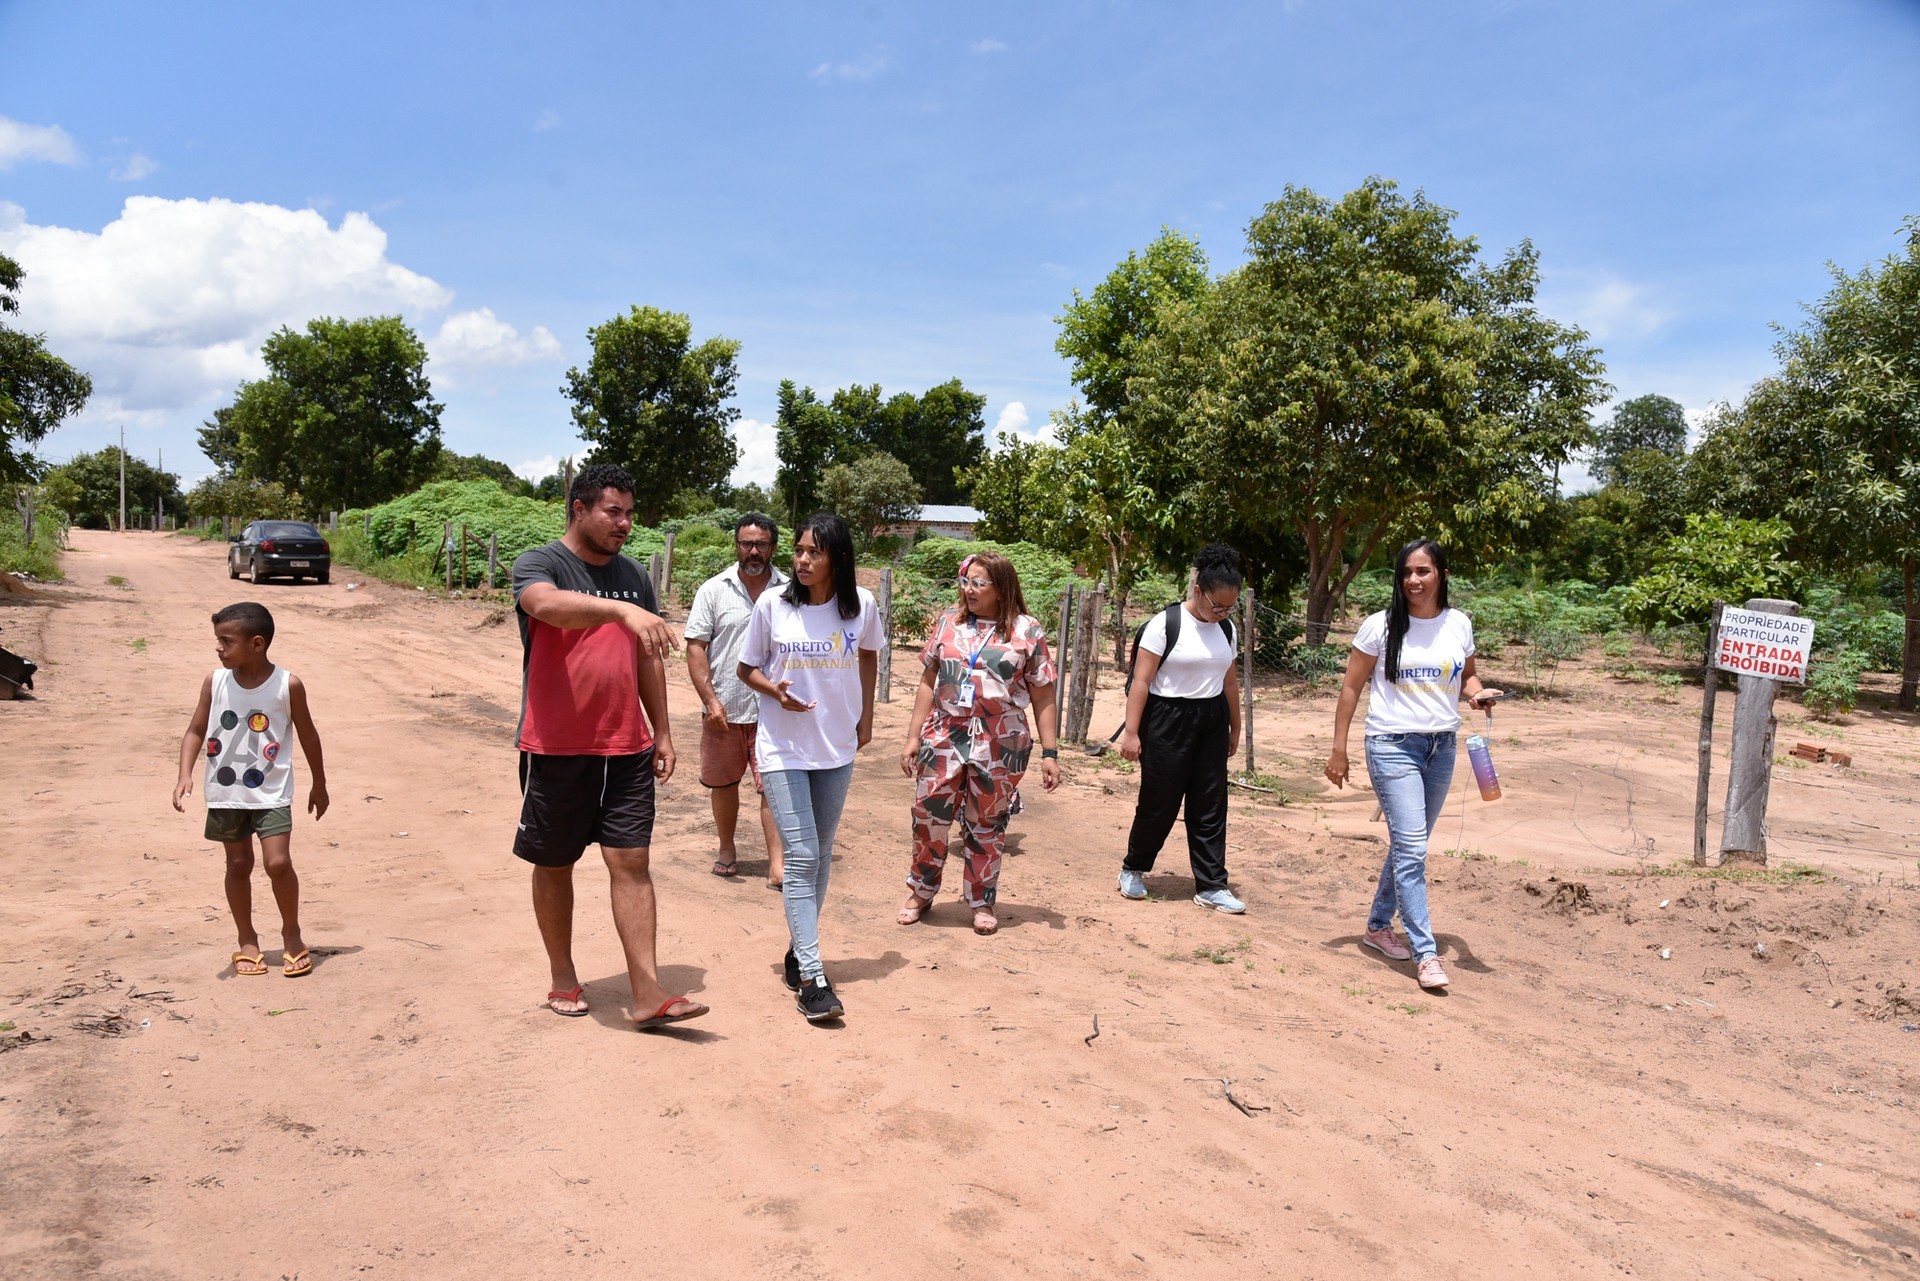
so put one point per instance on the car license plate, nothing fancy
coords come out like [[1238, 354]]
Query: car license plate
[[299, 564]]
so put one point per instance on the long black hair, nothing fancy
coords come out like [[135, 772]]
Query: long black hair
[[830, 535], [1397, 611], [1217, 565]]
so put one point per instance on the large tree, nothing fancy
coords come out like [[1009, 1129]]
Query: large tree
[[1364, 377], [654, 402], [89, 488], [1014, 489], [871, 494], [345, 416], [809, 437], [1846, 405], [1657, 423], [38, 390]]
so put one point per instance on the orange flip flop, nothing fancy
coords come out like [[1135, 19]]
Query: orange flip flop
[[252, 966], [296, 964], [660, 1017]]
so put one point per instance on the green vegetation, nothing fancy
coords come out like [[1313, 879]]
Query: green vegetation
[[1784, 874], [42, 560]]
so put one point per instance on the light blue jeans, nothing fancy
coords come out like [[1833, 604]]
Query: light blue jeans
[[806, 805], [1411, 774]]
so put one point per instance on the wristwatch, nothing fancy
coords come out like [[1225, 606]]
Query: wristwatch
[[1049, 753]]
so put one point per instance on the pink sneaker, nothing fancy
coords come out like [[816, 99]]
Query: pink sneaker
[[1432, 973], [1387, 943]]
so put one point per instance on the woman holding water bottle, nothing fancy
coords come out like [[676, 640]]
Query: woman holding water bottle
[[1415, 658]]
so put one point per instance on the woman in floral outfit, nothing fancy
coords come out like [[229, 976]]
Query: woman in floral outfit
[[968, 744]]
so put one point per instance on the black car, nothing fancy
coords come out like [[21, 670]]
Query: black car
[[284, 548]]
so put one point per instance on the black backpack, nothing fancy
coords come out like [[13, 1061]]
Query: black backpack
[[1173, 614]]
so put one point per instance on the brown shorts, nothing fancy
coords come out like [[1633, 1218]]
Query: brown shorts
[[226, 825], [726, 756]]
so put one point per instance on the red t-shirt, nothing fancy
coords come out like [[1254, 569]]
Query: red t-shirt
[[581, 685]]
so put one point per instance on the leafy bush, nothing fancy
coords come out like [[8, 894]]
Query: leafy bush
[[42, 560], [1833, 682], [1717, 558]]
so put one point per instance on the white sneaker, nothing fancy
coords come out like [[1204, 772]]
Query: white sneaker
[[1132, 884], [1220, 901]]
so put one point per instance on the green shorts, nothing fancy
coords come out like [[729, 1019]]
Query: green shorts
[[239, 825]]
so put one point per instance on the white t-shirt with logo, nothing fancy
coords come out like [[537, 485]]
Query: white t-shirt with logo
[[1433, 658], [1197, 667], [818, 650]]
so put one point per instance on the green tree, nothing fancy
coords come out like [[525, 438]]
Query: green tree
[[89, 488], [1655, 423], [38, 390], [1848, 399], [809, 438], [243, 499], [1014, 490], [345, 415], [871, 494], [1102, 334], [1365, 377], [655, 403], [939, 434], [220, 441]]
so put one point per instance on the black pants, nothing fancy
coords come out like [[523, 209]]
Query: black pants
[[1183, 757]]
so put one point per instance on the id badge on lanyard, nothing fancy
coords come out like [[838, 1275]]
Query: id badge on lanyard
[[966, 691]]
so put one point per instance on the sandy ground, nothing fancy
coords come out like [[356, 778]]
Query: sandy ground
[[1632, 1074]]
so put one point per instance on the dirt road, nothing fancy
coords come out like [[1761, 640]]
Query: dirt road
[[1579, 1105]]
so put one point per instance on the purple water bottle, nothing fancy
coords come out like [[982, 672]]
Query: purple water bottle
[[1483, 771]]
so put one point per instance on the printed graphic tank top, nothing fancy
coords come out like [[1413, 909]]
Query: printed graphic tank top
[[249, 744]]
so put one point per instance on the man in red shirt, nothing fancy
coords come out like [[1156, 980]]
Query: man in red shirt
[[594, 734]]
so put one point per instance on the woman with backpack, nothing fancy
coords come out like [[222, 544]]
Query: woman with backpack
[[968, 741], [1183, 726], [1415, 658]]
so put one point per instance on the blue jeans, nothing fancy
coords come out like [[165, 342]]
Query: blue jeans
[[1411, 774], [806, 805]]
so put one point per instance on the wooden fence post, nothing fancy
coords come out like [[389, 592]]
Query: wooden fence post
[[446, 546], [1085, 656], [1246, 678], [463, 555], [1743, 833], [1709, 686], [366, 525], [654, 572], [1063, 690], [666, 566], [883, 685], [493, 557]]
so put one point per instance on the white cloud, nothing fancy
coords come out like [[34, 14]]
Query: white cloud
[[138, 165], [535, 470], [988, 45], [866, 69], [1605, 304], [167, 305], [1013, 417], [758, 459], [548, 119], [35, 142], [482, 338]]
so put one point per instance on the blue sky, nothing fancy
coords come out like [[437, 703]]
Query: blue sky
[[899, 193]]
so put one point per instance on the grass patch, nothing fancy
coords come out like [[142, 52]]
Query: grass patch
[[116, 580], [1469, 855], [1356, 989], [1275, 790], [138, 645], [1784, 874], [42, 560], [1223, 953], [1409, 1007]]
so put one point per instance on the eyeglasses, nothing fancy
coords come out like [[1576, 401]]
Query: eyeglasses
[[757, 545], [1217, 607], [976, 583]]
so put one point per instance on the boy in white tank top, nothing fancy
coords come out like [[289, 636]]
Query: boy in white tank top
[[240, 728]]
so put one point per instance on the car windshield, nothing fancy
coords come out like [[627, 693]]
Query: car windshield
[[285, 529]]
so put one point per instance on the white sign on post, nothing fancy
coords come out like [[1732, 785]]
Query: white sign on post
[[1775, 646]]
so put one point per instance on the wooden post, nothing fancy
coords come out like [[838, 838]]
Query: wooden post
[[23, 503], [883, 685], [226, 527], [333, 520], [463, 555], [654, 573], [1743, 833], [1246, 679], [493, 558], [446, 546], [366, 525], [1709, 686], [666, 566], [1080, 692], [1062, 686]]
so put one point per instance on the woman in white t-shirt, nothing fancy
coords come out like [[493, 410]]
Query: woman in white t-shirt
[[1416, 659], [1183, 726], [811, 654]]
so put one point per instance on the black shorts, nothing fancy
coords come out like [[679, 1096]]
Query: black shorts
[[570, 802]]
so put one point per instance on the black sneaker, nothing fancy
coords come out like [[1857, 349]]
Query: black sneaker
[[793, 971], [817, 1001]]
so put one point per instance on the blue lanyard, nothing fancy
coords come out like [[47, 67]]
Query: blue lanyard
[[973, 660]]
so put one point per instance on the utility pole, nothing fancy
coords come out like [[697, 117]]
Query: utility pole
[[160, 460], [123, 479]]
